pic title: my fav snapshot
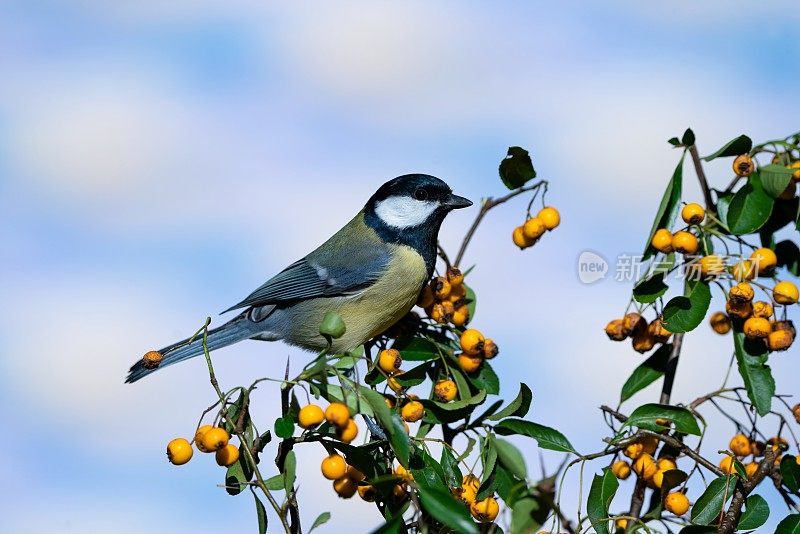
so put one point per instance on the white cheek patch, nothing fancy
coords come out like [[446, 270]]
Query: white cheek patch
[[405, 212]]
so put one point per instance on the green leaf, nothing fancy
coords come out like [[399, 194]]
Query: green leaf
[[649, 290], [518, 407], [284, 427], [645, 417], [685, 313], [750, 207], [788, 256], [789, 525], [289, 469], [688, 137], [452, 473], [511, 458], [443, 507], [751, 357], [648, 372], [674, 141], [320, 520], [275, 483], [414, 376], [261, 513], [390, 422], [735, 147], [711, 503], [332, 325], [523, 519], [723, 205], [601, 493], [472, 301], [546, 437], [755, 514], [517, 168], [235, 479], [775, 179], [486, 379], [416, 348], [790, 471], [668, 209], [672, 479]]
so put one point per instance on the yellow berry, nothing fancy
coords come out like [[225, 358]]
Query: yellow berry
[[764, 259], [389, 361], [621, 523], [152, 359], [757, 328], [684, 242], [472, 342], [345, 487], [785, 293], [744, 270], [469, 364], [333, 467], [550, 217], [198, 437], [779, 340], [633, 450], [795, 176], [631, 322], [214, 439], [533, 228], [490, 349], [740, 310], [711, 266], [662, 240], [740, 445], [677, 503], [179, 451], [667, 464], [657, 330], [621, 469], [720, 323], [337, 414], [485, 511], [349, 432], [395, 384], [658, 478], [227, 455], [518, 236], [743, 165], [455, 276], [741, 292], [750, 468], [441, 287], [615, 330], [727, 465], [310, 416], [693, 213], [645, 466], [445, 390], [412, 411], [403, 473], [762, 309]]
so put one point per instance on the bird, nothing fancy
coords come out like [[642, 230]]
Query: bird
[[370, 273]]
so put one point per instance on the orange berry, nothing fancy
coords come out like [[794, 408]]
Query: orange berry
[[441, 287], [533, 228], [349, 432], [518, 236], [389, 361], [490, 349], [615, 330], [720, 323], [740, 445], [677, 503], [337, 414], [550, 217], [785, 293], [214, 439], [485, 511], [333, 467], [684, 242], [227, 455], [310, 416], [764, 259], [445, 390], [662, 240], [621, 469], [757, 328], [472, 342], [743, 165], [179, 451], [412, 411], [152, 359], [345, 487], [469, 364], [455, 276], [693, 213]]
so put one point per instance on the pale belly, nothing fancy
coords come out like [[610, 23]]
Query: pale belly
[[366, 314]]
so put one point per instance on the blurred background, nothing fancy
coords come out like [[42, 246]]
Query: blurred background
[[159, 160]]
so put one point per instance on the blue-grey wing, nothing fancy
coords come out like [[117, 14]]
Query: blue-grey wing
[[314, 277]]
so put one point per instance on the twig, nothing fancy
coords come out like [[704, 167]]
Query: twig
[[284, 447], [249, 456], [701, 176], [743, 488], [671, 368], [488, 204]]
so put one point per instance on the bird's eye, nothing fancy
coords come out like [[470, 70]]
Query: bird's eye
[[420, 194]]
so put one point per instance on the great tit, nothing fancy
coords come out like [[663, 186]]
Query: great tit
[[370, 272]]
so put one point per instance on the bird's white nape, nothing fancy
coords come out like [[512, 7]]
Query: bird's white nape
[[404, 212]]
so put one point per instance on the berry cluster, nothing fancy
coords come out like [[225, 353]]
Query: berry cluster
[[531, 230]]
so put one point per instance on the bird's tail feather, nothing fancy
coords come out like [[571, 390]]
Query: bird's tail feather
[[235, 330]]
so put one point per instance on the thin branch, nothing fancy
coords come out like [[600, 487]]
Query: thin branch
[[701, 176], [671, 368], [743, 488]]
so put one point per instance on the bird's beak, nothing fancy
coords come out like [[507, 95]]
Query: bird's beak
[[455, 202]]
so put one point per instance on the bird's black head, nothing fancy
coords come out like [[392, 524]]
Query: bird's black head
[[409, 210]]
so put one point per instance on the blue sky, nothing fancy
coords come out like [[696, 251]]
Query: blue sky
[[157, 162]]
